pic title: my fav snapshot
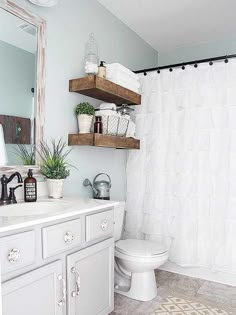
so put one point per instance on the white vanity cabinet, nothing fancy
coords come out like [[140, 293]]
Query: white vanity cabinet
[[90, 280], [38, 292], [62, 268]]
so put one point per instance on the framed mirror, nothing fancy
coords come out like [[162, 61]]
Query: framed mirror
[[22, 85]]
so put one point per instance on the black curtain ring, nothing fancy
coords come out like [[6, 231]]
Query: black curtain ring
[[183, 67], [196, 65], [145, 73], [211, 63], [226, 60], [158, 71], [170, 69]]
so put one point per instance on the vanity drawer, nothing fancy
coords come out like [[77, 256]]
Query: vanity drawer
[[17, 251], [61, 237], [99, 225]]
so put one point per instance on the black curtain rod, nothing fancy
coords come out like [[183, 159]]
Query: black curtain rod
[[183, 64]]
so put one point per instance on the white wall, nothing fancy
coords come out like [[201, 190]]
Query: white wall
[[68, 28], [198, 51]]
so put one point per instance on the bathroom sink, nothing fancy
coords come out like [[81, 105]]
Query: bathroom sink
[[34, 208]]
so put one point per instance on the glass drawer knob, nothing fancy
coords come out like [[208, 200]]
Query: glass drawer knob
[[14, 255], [68, 238], [104, 225]]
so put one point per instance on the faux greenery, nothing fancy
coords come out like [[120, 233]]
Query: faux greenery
[[84, 108], [54, 163], [26, 153]]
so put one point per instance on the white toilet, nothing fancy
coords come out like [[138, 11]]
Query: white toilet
[[135, 262]]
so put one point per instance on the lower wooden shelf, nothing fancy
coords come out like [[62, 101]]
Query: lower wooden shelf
[[99, 140]]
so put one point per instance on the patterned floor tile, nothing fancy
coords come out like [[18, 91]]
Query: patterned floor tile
[[181, 295], [185, 307], [170, 305]]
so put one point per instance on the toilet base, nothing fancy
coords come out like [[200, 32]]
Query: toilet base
[[143, 287]]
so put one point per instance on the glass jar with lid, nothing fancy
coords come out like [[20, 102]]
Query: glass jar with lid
[[91, 56]]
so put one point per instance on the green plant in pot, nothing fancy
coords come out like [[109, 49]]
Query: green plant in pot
[[54, 166], [84, 112]]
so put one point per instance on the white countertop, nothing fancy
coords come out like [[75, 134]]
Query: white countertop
[[71, 207]]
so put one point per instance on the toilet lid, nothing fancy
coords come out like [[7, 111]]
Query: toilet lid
[[140, 248]]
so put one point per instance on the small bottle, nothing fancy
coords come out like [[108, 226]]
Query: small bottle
[[102, 70], [30, 187], [98, 124]]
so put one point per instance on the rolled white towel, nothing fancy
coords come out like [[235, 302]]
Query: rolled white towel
[[3, 151], [110, 106], [106, 112]]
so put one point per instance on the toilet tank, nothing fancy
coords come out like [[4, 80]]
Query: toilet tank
[[119, 213]]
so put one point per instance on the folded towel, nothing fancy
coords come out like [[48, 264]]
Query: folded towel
[[118, 76], [126, 85], [123, 69], [111, 106]]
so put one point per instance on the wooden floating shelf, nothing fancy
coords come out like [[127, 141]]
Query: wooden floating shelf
[[99, 140], [104, 90]]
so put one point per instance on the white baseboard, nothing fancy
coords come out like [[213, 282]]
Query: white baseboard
[[202, 273]]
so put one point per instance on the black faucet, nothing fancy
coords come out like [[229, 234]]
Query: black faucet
[[4, 181]]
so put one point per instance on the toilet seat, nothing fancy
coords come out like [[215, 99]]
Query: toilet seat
[[140, 248]]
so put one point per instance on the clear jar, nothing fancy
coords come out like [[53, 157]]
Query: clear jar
[[91, 56]]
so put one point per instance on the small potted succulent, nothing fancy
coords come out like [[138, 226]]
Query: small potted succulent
[[84, 112], [54, 166]]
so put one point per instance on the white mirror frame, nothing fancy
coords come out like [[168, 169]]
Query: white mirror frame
[[40, 24]]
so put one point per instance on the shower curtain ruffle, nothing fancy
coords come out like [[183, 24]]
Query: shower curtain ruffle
[[181, 185]]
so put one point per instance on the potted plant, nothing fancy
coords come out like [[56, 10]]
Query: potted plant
[[54, 166], [84, 112]]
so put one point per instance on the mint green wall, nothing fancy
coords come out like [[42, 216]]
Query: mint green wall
[[68, 27], [17, 78], [17, 73], [200, 51]]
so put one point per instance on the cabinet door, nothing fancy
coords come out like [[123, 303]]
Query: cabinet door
[[35, 293], [90, 274]]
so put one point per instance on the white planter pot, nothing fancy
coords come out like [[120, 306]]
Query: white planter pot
[[85, 123], [55, 188]]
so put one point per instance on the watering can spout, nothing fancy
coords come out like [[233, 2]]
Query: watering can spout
[[87, 183]]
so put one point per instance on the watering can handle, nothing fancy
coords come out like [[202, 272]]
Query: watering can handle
[[102, 174]]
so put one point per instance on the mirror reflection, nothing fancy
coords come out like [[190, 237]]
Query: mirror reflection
[[18, 45]]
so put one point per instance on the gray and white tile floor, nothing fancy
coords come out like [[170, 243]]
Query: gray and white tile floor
[[178, 294]]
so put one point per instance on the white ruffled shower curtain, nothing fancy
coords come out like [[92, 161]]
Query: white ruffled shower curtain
[[181, 185]]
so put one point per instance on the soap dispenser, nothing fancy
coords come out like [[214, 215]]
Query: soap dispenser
[[102, 70], [30, 187]]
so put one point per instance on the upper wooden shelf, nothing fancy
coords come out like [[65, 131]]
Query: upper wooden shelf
[[104, 90]]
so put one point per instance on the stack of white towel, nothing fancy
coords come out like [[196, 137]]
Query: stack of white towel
[[123, 76]]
